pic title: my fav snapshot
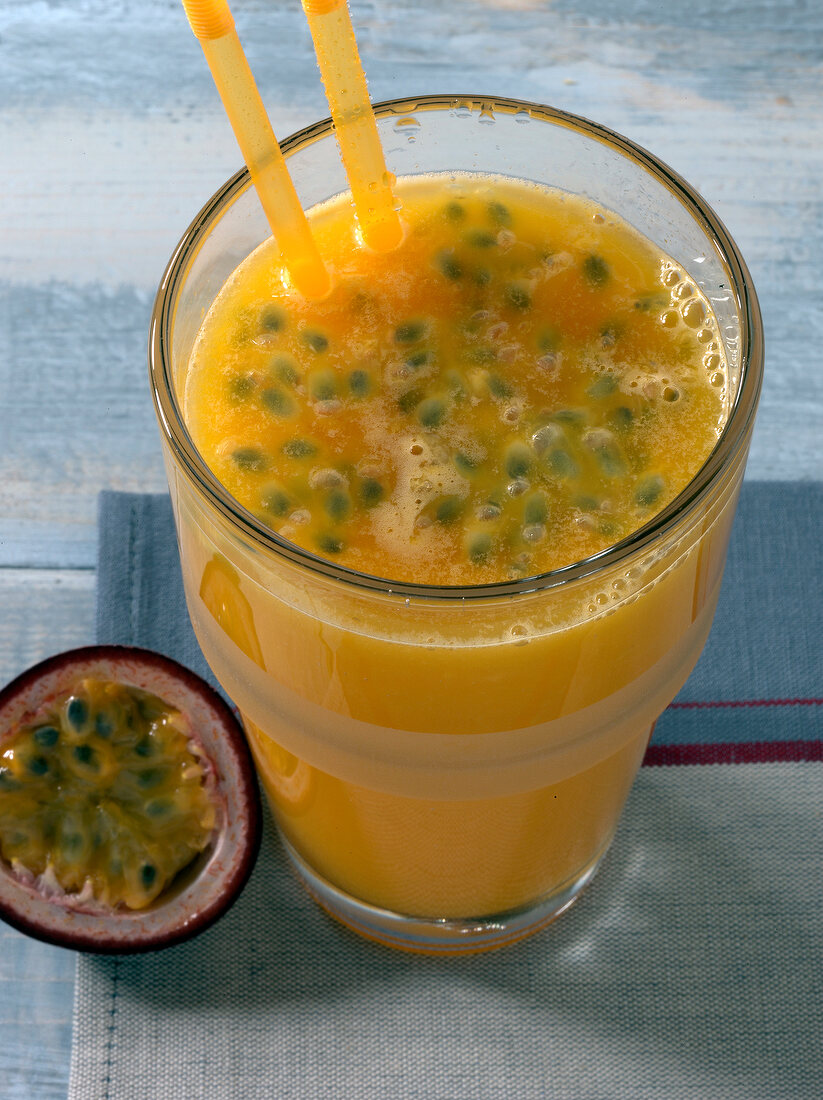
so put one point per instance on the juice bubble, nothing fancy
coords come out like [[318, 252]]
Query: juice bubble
[[694, 313]]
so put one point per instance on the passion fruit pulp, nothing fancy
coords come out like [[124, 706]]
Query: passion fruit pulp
[[129, 812]]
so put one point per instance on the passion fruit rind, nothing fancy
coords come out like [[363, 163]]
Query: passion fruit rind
[[60, 696]]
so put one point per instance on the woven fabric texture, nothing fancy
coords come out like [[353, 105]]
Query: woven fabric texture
[[690, 969]]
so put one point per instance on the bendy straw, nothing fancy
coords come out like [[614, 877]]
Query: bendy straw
[[345, 83], [213, 26]]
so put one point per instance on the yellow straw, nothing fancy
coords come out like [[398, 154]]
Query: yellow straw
[[213, 25], [331, 29]]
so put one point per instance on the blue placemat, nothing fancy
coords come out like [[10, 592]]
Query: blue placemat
[[691, 968]]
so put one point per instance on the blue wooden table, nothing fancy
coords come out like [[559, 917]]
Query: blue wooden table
[[112, 137]]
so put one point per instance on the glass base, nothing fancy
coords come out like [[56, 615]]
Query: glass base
[[433, 936]]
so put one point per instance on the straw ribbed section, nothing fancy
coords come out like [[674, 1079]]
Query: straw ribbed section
[[209, 18], [322, 7]]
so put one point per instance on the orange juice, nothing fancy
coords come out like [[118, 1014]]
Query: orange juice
[[503, 419], [497, 397]]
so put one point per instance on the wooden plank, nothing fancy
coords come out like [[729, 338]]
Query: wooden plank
[[43, 612], [135, 141], [83, 241], [36, 999]]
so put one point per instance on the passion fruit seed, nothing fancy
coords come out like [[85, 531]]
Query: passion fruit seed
[[285, 370], [249, 458], [481, 238], [499, 387], [417, 360], [489, 511], [562, 464], [337, 505], [536, 508], [545, 436], [371, 491], [518, 296], [432, 412], [569, 416], [241, 386], [596, 271], [604, 446], [410, 332], [77, 713], [46, 737], [85, 755], [654, 301], [299, 448], [610, 333], [277, 402], [276, 501], [621, 418], [329, 544], [534, 533], [409, 400], [449, 266], [359, 383], [448, 509], [518, 459], [548, 340], [478, 547], [104, 725], [499, 214], [604, 386], [314, 340], [272, 319], [464, 464], [649, 490], [323, 384]]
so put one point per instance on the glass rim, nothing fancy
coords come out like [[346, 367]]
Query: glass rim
[[732, 435]]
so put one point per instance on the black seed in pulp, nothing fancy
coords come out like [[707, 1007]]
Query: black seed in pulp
[[596, 271]]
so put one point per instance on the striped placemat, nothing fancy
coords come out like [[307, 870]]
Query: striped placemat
[[690, 969]]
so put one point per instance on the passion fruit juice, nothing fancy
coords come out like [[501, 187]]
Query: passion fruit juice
[[520, 385], [523, 382]]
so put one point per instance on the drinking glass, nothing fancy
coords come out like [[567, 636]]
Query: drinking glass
[[447, 765]]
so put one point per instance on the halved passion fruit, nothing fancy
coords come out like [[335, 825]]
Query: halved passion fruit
[[129, 810]]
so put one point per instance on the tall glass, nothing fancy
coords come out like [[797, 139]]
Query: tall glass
[[447, 766]]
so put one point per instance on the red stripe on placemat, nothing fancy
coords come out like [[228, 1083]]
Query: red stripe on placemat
[[747, 752], [700, 705]]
